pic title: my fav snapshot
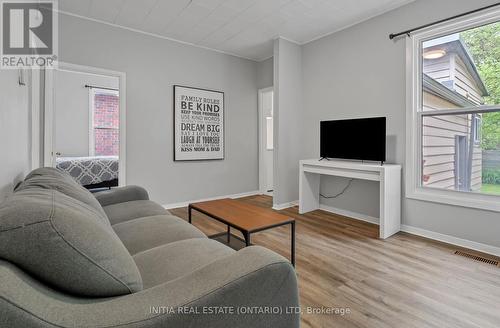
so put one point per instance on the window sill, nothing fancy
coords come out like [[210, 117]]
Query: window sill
[[457, 198]]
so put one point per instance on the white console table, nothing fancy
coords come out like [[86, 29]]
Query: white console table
[[389, 176]]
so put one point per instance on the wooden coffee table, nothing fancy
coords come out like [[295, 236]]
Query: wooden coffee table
[[244, 217]]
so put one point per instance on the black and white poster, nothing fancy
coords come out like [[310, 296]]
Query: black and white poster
[[198, 124]]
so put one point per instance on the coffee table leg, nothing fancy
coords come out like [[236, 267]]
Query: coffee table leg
[[189, 213], [247, 238], [228, 234], [293, 243]]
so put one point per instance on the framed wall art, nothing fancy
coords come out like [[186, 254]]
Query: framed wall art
[[198, 124]]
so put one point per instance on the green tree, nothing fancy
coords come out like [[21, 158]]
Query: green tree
[[484, 46]]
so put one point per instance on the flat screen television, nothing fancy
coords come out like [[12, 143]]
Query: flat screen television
[[358, 139]]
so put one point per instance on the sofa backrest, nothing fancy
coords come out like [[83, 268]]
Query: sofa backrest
[[54, 179], [63, 242]]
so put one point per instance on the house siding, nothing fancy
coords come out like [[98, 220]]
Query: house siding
[[439, 69], [465, 84], [438, 142]]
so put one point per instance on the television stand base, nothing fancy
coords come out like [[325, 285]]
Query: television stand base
[[322, 158], [388, 177]]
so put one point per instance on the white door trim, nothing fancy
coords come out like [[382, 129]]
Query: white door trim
[[35, 117], [91, 123], [262, 142], [48, 119], [49, 115]]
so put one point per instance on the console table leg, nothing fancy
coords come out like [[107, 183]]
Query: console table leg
[[308, 191], [189, 213]]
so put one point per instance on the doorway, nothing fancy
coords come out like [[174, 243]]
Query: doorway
[[84, 124], [266, 141]]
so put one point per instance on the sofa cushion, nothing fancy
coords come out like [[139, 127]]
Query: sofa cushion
[[51, 178], [164, 263], [127, 211], [121, 195], [62, 242], [145, 233], [51, 171]]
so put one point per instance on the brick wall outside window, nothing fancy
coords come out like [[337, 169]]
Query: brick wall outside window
[[106, 124]]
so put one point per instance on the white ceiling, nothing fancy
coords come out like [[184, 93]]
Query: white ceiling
[[244, 28]]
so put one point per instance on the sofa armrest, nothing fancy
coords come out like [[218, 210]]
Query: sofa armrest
[[121, 195], [253, 287]]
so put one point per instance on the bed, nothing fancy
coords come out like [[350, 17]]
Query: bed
[[91, 171]]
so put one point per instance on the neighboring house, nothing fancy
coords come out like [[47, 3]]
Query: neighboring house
[[451, 81]]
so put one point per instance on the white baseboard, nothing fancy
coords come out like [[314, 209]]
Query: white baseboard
[[186, 203], [349, 214], [279, 207], [484, 248]]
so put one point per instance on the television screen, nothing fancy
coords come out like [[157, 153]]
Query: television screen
[[360, 139]]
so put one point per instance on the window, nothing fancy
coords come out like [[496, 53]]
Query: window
[[453, 153], [104, 138]]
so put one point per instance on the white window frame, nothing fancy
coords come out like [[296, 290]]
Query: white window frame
[[92, 93], [414, 114]]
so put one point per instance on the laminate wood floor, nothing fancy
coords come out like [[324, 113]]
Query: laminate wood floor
[[403, 281]]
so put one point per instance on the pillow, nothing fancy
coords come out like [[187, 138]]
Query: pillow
[[57, 239], [51, 178]]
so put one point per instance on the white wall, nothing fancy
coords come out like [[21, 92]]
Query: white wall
[[265, 73], [153, 66], [288, 110], [71, 117], [359, 72], [15, 131]]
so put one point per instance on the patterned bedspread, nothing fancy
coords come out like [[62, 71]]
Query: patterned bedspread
[[90, 170]]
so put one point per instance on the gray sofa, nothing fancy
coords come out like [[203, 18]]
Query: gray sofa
[[69, 258]]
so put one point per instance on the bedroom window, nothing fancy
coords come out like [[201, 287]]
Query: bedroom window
[[105, 122], [453, 121]]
